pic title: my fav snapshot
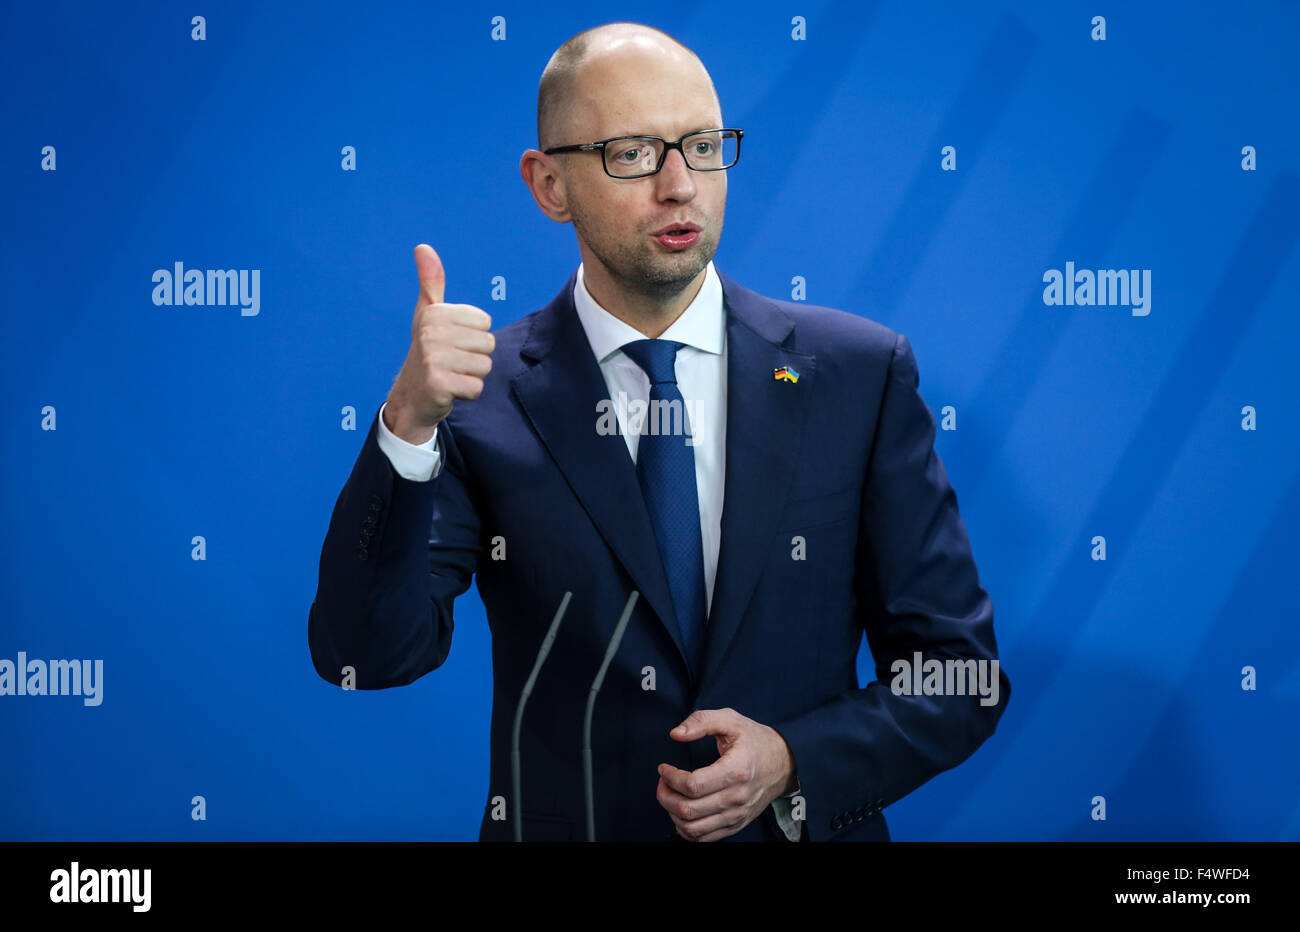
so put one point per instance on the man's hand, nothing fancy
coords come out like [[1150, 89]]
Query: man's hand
[[450, 354], [754, 767]]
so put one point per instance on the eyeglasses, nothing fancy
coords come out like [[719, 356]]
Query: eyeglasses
[[709, 150]]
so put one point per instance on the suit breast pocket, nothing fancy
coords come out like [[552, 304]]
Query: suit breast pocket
[[803, 514]]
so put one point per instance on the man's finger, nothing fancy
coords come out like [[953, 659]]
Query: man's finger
[[707, 819], [716, 816], [714, 828], [688, 808], [433, 280], [704, 722], [696, 784]]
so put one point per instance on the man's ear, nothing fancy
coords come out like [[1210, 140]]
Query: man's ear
[[542, 176]]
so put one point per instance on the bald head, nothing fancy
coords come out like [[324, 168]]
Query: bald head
[[572, 80]]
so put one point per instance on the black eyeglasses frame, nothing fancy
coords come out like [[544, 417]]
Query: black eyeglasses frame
[[600, 145]]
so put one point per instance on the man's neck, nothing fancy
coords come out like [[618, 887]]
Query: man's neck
[[645, 313]]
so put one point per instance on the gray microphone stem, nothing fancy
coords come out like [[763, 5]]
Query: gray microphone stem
[[610, 651], [519, 714]]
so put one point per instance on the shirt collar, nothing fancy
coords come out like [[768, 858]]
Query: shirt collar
[[702, 325]]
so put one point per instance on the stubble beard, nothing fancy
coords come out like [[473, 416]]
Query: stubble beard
[[648, 270]]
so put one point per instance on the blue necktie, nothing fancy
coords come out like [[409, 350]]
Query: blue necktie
[[665, 467]]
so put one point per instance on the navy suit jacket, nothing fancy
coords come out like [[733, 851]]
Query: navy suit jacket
[[842, 458]]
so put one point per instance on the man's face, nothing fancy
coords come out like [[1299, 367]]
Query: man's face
[[639, 89]]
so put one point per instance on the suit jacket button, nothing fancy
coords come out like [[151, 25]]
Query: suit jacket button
[[835, 824]]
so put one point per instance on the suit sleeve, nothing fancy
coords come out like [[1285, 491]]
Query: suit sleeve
[[396, 555], [918, 591]]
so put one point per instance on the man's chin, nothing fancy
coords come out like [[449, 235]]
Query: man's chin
[[675, 275], [689, 262]]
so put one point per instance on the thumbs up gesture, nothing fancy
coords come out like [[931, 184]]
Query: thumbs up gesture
[[450, 353]]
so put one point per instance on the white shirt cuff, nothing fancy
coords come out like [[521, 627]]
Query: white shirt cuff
[[417, 462], [781, 807]]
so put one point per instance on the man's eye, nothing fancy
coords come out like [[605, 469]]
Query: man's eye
[[635, 153], [704, 148]]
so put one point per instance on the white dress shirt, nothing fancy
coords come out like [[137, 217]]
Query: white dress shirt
[[701, 378]]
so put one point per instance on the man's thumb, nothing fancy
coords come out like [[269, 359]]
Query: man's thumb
[[429, 268], [696, 725]]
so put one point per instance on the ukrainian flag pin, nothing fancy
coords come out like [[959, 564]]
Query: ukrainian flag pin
[[785, 372]]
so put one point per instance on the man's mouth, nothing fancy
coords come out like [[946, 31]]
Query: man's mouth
[[677, 229], [678, 236]]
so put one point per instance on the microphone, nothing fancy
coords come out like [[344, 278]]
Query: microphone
[[519, 712], [610, 651]]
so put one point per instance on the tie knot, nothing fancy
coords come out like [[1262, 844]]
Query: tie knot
[[656, 357]]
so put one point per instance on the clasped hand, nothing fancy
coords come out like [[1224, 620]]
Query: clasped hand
[[754, 767]]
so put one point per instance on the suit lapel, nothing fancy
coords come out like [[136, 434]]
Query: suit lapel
[[559, 395], [765, 417], [765, 420]]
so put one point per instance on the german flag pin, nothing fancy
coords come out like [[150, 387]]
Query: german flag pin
[[785, 373]]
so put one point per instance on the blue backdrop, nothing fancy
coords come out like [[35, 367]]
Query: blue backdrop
[[139, 437]]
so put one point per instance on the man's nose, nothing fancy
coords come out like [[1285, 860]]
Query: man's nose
[[675, 179]]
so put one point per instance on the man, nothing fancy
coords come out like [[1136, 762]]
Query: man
[[801, 505]]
